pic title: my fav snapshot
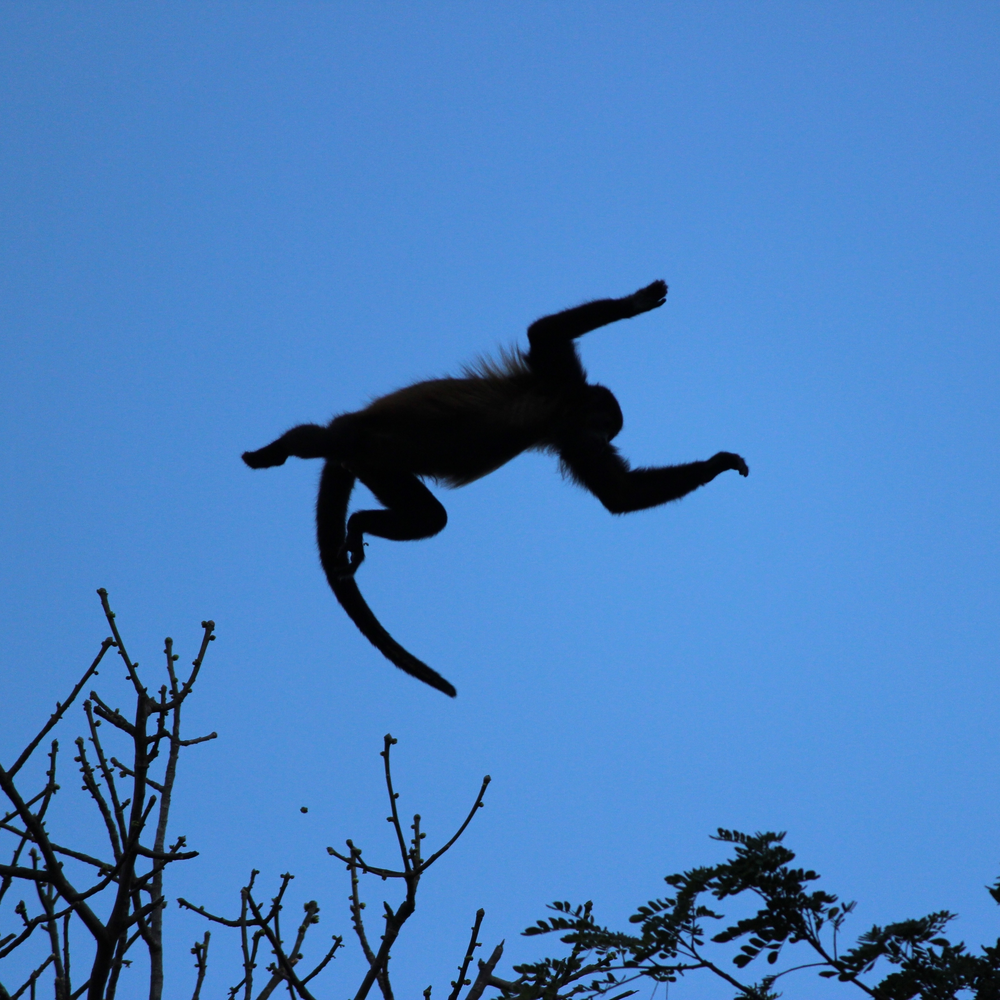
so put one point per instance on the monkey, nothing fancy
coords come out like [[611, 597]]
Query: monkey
[[456, 430]]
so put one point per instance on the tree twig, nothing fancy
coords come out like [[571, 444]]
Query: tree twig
[[464, 967], [485, 973], [200, 952], [60, 709]]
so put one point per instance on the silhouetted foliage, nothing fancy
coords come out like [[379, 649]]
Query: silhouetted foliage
[[672, 940]]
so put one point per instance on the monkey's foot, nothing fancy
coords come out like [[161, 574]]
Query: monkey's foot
[[350, 557], [266, 457]]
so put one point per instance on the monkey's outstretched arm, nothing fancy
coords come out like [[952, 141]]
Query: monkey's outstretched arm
[[573, 323], [597, 466]]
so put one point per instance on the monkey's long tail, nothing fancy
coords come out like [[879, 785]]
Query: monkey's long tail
[[354, 604], [335, 487]]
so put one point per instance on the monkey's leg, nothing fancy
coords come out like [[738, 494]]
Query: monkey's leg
[[412, 512], [304, 441], [335, 488]]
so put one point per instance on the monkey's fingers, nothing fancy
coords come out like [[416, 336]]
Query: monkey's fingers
[[734, 462]]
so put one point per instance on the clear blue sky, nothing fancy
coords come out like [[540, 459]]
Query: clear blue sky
[[221, 220]]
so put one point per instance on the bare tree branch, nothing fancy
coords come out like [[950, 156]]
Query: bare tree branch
[[200, 952], [478, 804], [485, 976], [30, 981], [464, 967], [137, 867], [60, 710]]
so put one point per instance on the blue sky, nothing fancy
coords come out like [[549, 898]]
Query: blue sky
[[222, 220]]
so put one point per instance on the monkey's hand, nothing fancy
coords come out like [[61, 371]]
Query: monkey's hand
[[727, 460], [651, 297], [266, 457]]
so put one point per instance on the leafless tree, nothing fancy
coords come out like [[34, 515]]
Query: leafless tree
[[132, 793], [132, 799], [258, 924]]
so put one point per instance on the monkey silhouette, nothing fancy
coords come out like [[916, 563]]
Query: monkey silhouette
[[456, 430]]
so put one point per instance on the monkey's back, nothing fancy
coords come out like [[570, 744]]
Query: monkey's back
[[456, 430]]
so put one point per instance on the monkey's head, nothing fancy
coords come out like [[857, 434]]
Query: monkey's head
[[603, 414]]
